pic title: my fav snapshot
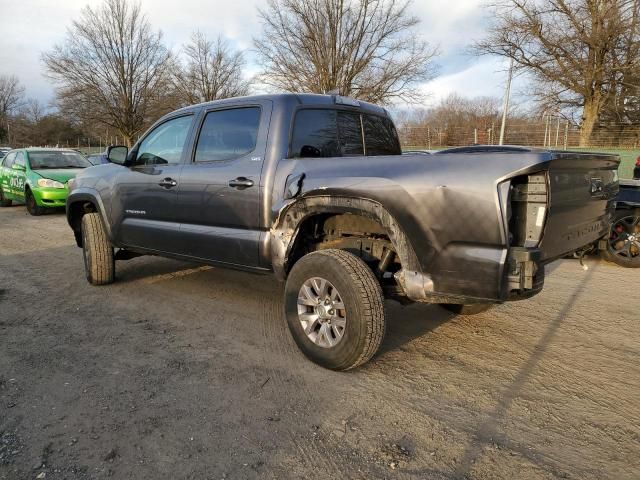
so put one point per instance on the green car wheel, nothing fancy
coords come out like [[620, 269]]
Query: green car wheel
[[32, 205]]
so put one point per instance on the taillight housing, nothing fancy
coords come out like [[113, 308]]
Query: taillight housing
[[638, 162], [528, 202]]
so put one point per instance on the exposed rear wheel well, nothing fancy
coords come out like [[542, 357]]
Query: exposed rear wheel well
[[357, 234]]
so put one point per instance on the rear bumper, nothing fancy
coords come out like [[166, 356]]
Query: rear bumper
[[524, 273], [522, 277], [51, 197]]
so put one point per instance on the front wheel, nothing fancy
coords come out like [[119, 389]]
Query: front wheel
[[99, 261], [335, 309], [623, 242], [32, 205], [469, 309]]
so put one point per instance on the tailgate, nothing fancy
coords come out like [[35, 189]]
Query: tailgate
[[581, 189]]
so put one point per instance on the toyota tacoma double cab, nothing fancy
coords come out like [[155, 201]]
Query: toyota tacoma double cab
[[314, 189]]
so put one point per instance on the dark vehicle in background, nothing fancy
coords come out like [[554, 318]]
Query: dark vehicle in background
[[314, 189], [4, 151], [98, 158], [622, 243]]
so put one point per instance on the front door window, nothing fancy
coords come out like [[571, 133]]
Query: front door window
[[165, 144]]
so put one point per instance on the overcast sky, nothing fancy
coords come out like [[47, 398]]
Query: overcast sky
[[29, 27]]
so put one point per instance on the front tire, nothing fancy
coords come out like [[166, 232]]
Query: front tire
[[32, 205], [468, 309], [99, 261], [335, 309]]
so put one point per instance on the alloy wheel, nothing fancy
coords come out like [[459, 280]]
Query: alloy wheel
[[321, 312], [624, 238]]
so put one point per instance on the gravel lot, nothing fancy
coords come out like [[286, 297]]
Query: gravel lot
[[182, 371]]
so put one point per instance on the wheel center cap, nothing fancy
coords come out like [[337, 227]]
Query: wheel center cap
[[322, 311]]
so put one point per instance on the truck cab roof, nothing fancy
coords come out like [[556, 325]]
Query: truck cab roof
[[293, 100]]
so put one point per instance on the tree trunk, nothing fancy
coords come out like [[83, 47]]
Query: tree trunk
[[127, 139], [589, 119]]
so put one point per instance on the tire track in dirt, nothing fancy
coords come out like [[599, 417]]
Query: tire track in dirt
[[279, 344]]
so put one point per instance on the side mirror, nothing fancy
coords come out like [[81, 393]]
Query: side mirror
[[19, 167], [309, 151], [117, 154]]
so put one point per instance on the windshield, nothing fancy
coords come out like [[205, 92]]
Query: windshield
[[42, 160]]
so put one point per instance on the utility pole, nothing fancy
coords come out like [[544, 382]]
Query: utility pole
[[547, 131], [505, 103]]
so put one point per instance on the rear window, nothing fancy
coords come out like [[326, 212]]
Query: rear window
[[44, 160], [350, 134], [380, 136], [321, 133], [315, 134]]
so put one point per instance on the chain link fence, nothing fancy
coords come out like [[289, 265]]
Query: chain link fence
[[623, 140], [554, 133]]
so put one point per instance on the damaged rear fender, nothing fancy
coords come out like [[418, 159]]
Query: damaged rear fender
[[286, 228]]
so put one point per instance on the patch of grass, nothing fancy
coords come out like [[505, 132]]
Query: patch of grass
[[627, 158]]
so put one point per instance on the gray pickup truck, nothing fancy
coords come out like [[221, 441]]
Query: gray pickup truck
[[314, 189]]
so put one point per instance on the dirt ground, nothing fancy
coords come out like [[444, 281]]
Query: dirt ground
[[181, 371]]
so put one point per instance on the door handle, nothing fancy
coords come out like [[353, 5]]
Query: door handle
[[168, 183], [241, 183]]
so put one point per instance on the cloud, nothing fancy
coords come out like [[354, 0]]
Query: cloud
[[30, 27], [484, 77]]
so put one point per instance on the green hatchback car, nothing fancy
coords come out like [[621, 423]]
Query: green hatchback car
[[38, 177]]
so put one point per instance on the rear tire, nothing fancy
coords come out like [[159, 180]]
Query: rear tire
[[4, 202], [625, 223], [349, 299], [469, 309], [32, 204], [99, 261]]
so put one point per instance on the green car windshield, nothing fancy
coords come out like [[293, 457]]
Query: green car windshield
[[43, 160]]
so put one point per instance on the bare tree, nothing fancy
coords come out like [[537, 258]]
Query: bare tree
[[111, 68], [34, 110], [368, 49], [11, 98], [212, 71], [580, 52], [452, 121], [11, 95]]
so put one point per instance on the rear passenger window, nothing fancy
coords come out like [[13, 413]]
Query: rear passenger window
[[19, 159], [8, 161], [350, 133], [228, 134], [315, 134], [380, 136]]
